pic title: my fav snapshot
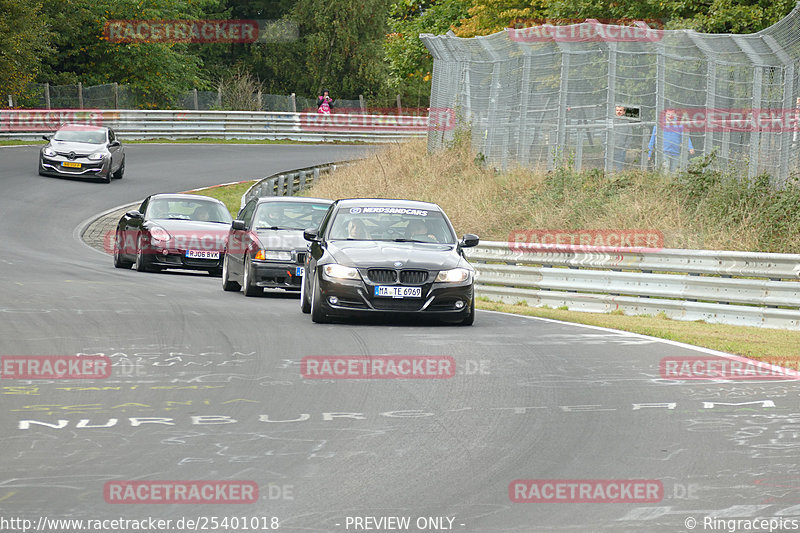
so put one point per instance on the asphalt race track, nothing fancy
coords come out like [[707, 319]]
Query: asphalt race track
[[206, 385]]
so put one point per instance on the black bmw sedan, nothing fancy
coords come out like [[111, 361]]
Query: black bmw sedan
[[265, 246], [387, 256], [81, 151], [185, 231]]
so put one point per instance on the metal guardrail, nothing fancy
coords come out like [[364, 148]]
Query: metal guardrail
[[715, 286], [288, 183], [143, 124]]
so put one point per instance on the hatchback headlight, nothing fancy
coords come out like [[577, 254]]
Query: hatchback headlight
[[455, 275], [159, 234], [49, 152], [340, 271], [97, 156]]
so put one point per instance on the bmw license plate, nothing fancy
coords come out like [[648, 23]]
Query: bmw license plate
[[299, 271], [201, 254], [70, 165], [398, 292]]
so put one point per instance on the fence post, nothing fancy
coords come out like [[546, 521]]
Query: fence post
[[195, 103], [47, 95], [80, 95], [361, 103], [260, 105], [219, 96], [293, 103], [116, 95], [399, 106], [10, 101]]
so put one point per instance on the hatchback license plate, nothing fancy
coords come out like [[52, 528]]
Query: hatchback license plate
[[70, 165], [398, 292], [201, 254], [299, 272]]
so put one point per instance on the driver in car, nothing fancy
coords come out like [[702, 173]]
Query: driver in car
[[417, 230]]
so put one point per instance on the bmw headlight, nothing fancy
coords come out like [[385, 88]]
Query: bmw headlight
[[49, 152], [274, 255], [455, 275], [340, 272], [97, 156], [159, 234]]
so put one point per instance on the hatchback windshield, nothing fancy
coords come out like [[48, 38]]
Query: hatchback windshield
[[391, 224], [81, 136]]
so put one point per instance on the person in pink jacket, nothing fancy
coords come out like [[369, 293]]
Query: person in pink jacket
[[325, 103]]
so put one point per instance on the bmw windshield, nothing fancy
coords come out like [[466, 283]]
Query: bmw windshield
[[391, 224]]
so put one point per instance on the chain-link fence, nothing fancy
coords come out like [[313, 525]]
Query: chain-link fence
[[115, 96], [615, 97]]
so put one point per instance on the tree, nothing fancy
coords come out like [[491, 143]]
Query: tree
[[409, 63], [24, 40], [157, 72], [490, 16], [342, 46]]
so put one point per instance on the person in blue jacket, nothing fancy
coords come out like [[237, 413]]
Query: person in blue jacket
[[673, 136]]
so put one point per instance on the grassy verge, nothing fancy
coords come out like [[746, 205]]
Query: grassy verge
[[230, 195], [699, 209], [756, 343]]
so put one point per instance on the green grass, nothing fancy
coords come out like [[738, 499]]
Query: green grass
[[756, 343], [230, 195]]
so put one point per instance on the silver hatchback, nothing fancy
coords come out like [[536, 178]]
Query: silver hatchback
[[82, 151]]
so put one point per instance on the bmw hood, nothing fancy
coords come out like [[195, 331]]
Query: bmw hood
[[381, 254]]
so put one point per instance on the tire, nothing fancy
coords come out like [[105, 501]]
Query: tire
[[227, 284], [470, 318], [118, 261], [141, 265], [305, 305], [120, 171], [317, 314], [247, 281]]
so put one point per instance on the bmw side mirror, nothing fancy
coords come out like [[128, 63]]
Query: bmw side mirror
[[311, 234], [238, 225], [469, 241], [133, 214], [114, 143], [46, 137]]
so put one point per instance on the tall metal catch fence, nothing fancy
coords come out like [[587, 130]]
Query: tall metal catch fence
[[594, 95]]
